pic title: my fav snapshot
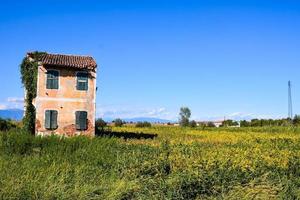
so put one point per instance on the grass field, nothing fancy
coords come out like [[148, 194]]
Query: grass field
[[180, 163]]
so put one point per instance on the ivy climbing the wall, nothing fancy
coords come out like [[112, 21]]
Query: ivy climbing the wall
[[29, 71]]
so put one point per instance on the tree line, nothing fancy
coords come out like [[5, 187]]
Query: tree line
[[185, 114], [271, 122]]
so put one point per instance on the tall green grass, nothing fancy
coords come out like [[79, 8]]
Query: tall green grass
[[178, 164]]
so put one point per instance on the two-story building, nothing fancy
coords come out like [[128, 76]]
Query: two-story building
[[66, 94]]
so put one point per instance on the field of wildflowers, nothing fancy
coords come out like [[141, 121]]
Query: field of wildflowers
[[177, 163]]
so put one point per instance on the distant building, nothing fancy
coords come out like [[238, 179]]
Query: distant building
[[218, 123], [210, 123], [66, 92]]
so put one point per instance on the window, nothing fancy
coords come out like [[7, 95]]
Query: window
[[81, 120], [51, 119], [52, 79], [82, 81]]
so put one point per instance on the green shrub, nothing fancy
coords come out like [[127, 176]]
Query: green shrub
[[100, 124], [16, 142], [6, 125]]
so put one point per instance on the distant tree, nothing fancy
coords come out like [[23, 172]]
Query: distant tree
[[225, 123], [229, 122], [118, 122], [265, 122], [256, 123], [234, 123], [286, 122], [193, 124], [184, 116], [271, 122], [202, 125], [245, 123], [278, 122], [268, 122], [296, 120], [211, 124], [100, 124], [143, 124]]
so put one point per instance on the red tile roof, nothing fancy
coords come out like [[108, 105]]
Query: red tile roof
[[75, 61]]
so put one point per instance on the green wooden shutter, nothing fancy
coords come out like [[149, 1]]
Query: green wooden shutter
[[78, 85], [52, 79], [82, 81], [77, 114], [55, 80], [53, 119], [86, 84], [47, 119], [49, 81], [83, 120]]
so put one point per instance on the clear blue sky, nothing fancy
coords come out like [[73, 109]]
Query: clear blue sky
[[220, 58]]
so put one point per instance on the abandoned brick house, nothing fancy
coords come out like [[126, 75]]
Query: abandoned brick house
[[66, 93]]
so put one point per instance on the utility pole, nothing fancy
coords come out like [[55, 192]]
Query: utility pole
[[290, 102]]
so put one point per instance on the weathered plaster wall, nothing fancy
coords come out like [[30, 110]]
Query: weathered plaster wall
[[66, 100]]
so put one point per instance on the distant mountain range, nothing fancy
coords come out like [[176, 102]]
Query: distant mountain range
[[14, 114]]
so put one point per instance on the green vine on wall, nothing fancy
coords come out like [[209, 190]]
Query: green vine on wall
[[29, 72]]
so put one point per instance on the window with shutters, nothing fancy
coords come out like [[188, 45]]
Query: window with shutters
[[81, 120], [52, 79], [82, 81], [51, 119]]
